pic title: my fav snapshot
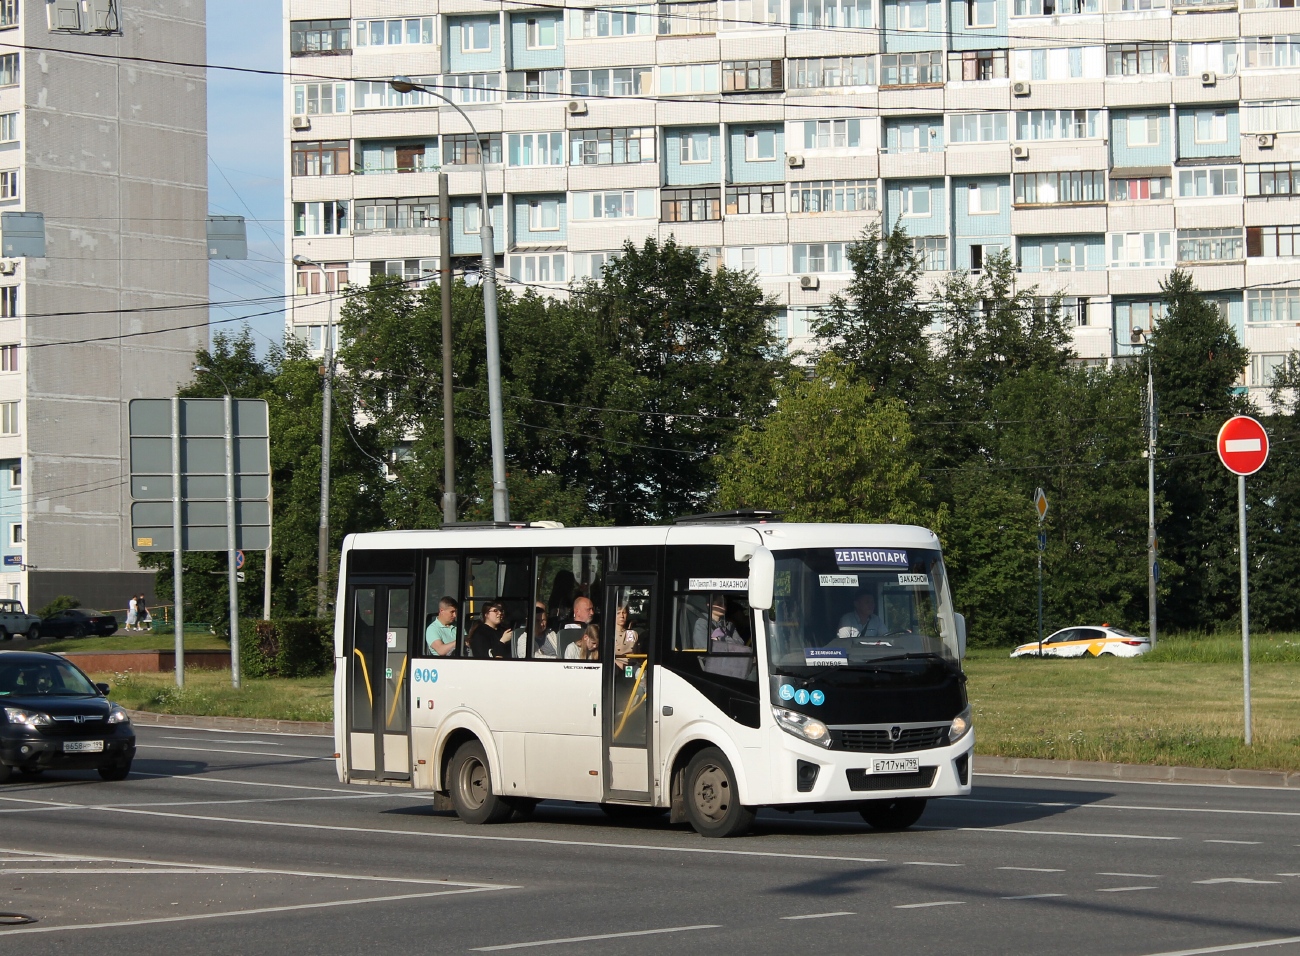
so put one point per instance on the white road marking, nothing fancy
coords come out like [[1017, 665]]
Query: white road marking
[[587, 939], [217, 750], [219, 740], [1233, 947], [1135, 876], [1034, 896], [1237, 879], [821, 915], [1237, 842], [921, 906], [1287, 874], [925, 863], [1124, 889], [1126, 806], [1071, 833], [387, 791], [1113, 782], [1031, 869], [228, 730]]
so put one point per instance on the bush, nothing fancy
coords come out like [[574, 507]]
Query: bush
[[61, 603], [290, 647]]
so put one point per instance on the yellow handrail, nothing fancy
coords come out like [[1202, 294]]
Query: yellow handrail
[[365, 672], [631, 697], [396, 697]]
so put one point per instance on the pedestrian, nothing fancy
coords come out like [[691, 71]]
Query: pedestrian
[[143, 617], [132, 613]]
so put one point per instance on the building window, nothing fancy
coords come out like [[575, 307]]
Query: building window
[[979, 128], [1219, 56], [1054, 8], [9, 69], [911, 69], [760, 260], [9, 184], [1140, 190], [8, 13], [1141, 249], [612, 147], [8, 127], [830, 72], [1208, 182], [682, 19], [613, 204], [314, 337], [819, 257], [833, 195], [473, 217], [1272, 241], [380, 95], [914, 200], [1273, 179], [540, 34], [932, 251], [1142, 314], [1264, 366], [1211, 126], [543, 215], [1059, 253], [696, 146], [1143, 129], [399, 157], [1137, 59], [474, 87], [538, 268], [310, 281], [975, 66], [1209, 245], [1045, 189], [701, 204], [8, 302], [981, 13], [760, 145], [476, 36], [1270, 53], [982, 199], [412, 215], [534, 84], [412, 31], [465, 149], [832, 134], [310, 99], [624, 81], [1273, 305], [689, 78], [755, 200], [1058, 124], [750, 14], [16, 476], [15, 535], [1271, 116], [740, 76], [535, 149], [591, 265], [8, 418], [328, 218], [914, 136], [325, 158], [611, 22], [818, 14], [416, 273], [8, 358], [312, 37], [913, 15]]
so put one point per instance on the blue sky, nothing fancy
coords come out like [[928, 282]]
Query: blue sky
[[245, 168]]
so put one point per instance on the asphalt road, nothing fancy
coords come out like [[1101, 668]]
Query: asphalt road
[[224, 842]]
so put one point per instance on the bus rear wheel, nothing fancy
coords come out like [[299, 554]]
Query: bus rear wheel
[[471, 787], [713, 804], [897, 814]]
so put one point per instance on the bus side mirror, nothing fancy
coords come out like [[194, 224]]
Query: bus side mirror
[[762, 578], [961, 635]]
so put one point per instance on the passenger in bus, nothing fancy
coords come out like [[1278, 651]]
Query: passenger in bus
[[440, 636], [625, 639], [583, 612], [490, 637], [586, 647], [545, 647], [862, 621]]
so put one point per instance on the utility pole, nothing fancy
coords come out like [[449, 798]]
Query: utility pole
[[444, 281], [1153, 570]]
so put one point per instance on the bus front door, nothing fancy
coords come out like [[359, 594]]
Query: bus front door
[[378, 650], [627, 656]]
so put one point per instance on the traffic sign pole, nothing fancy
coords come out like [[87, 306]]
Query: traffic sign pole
[[178, 571], [1040, 505], [1245, 604], [231, 551]]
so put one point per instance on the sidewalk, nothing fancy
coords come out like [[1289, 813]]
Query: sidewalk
[[256, 725]]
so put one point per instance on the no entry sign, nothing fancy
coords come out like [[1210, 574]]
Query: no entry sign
[[1243, 445]]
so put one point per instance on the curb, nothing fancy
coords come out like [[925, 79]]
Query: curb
[[257, 725], [1143, 773]]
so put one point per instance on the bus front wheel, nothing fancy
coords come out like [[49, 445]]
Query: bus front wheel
[[897, 814], [471, 787], [713, 804]]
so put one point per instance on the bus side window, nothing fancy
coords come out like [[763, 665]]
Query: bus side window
[[503, 578], [441, 579], [562, 578]]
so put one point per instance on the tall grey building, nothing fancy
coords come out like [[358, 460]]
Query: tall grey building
[[1100, 142], [111, 147]]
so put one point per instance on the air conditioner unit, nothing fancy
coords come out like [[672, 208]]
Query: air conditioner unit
[[1019, 89], [1265, 140], [8, 267], [794, 162], [301, 122], [577, 108], [1209, 78], [809, 282], [1019, 152]]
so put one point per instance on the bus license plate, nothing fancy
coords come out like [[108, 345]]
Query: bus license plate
[[83, 746], [897, 765]]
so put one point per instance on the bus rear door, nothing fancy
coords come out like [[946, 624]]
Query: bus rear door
[[377, 645], [627, 656]]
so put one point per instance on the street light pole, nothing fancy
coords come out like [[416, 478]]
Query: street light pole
[[444, 281], [1142, 337], [500, 499], [327, 401]]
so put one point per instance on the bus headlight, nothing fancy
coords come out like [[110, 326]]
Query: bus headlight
[[961, 725], [802, 726]]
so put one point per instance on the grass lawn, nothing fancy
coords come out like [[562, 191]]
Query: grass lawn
[[208, 693], [197, 638], [1180, 705]]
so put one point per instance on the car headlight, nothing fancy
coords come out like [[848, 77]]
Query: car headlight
[[802, 726], [29, 718], [118, 715], [961, 725]]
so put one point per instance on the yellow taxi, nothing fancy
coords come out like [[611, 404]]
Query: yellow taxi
[[1090, 641]]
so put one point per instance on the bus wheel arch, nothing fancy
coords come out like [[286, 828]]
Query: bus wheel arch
[[681, 759], [473, 796]]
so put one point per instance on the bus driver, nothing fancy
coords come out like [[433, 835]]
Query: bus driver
[[862, 621]]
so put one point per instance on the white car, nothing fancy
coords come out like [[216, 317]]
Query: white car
[[1078, 641], [14, 620]]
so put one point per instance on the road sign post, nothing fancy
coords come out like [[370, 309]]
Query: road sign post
[[1040, 505], [1243, 448]]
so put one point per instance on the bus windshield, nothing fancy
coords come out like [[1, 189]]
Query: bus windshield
[[846, 607]]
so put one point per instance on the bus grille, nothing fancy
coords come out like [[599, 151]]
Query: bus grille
[[861, 780], [878, 742]]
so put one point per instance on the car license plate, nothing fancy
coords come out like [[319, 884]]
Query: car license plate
[[83, 746], [896, 765]]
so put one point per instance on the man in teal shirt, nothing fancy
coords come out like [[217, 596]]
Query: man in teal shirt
[[440, 635]]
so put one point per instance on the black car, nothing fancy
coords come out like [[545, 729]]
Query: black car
[[53, 718], [79, 622]]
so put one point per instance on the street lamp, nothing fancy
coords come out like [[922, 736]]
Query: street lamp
[[500, 501], [232, 572], [1143, 338], [327, 400]]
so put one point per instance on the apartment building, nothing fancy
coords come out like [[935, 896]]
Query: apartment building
[[113, 153], [1100, 142]]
